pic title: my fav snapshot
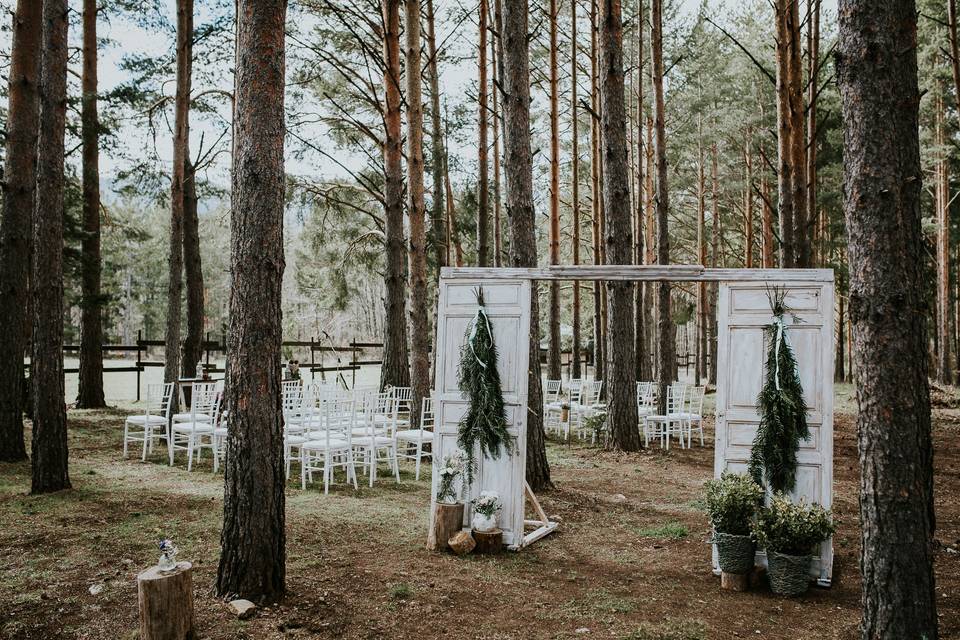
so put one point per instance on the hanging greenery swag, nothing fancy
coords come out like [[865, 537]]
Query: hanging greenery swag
[[783, 413], [485, 423]]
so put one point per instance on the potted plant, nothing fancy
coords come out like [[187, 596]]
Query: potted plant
[[789, 531], [451, 469], [732, 503], [485, 508]]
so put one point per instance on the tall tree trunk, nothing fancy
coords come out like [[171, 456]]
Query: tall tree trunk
[[649, 247], [748, 201], [181, 153], [813, 75], [621, 362], [437, 213], [664, 321], [599, 346], [716, 230], [798, 143], [23, 114], [49, 450], [396, 363], [518, 165], [453, 232], [90, 391], [703, 303], [785, 208], [575, 371], [252, 543], [553, 316], [419, 315], [642, 288], [497, 210], [483, 188], [193, 343], [941, 200], [877, 76], [838, 367]]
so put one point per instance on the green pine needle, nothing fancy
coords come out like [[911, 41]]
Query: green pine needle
[[485, 424]]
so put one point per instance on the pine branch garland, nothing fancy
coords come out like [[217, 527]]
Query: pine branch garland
[[485, 423], [783, 412]]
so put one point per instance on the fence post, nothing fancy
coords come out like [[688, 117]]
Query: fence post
[[313, 374], [139, 366]]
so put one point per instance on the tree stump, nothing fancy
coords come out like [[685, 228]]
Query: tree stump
[[488, 541], [462, 543], [166, 603], [734, 581], [447, 521]]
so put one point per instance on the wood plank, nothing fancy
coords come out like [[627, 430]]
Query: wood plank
[[674, 273]]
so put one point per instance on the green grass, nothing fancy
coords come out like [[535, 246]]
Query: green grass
[[670, 630], [400, 591], [668, 530]]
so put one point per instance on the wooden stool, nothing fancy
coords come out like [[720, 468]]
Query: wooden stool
[[166, 603], [447, 521], [488, 541]]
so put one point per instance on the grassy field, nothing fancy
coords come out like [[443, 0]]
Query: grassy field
[[629, 560]]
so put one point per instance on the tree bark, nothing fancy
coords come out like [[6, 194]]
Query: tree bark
[[253, 556], [90, 390], [181, 152], [419, 315], [553, 314], [640, 343], [703, 304], [877, 76], [813, 75], [716, 230], [497, 210], [575, 356], [49, 450], [483, 187], [518, 168], [193, 342], [437, 212], [785, 209], [667, 360], [798, 144], [621, 362], [23, 114], [941, 189], [599, 345], [396, 361]]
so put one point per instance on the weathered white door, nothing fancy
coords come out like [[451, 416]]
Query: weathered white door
[[507, 304], [743, 312]]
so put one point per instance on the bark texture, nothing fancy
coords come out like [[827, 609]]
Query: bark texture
[[396, 361], [621, 364], [437, 212], [575, 371], [23, 113], [419, 313], [553, 316], [193, 270], [518, 164], [483, 185], [49, 450], [90, 390], [253, 556], [877, 75]]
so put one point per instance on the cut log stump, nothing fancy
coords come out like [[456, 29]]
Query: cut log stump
[[488, 541], [166, 603], [447, 521], [462, 543], [734, 581]]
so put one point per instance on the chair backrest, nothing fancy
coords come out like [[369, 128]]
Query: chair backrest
[[695, 400], [591, 392], [203, 398], [338, 418], [404, 398], [291, 393], [675, 396], [159, 399], [645, 394], [551, 393], [426, 415]]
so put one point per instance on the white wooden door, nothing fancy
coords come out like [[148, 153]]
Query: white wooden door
[[507, 304], [743, 311]]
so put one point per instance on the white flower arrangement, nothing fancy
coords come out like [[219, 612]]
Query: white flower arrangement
[[448, 472], [487, 503]]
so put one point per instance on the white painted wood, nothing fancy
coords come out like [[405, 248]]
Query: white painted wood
[[508, 307], [677, 273], [743, 311]]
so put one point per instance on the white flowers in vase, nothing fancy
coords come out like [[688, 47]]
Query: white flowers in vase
[[485, 509], [448, 472]]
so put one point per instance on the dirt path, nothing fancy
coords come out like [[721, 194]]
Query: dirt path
[[629, 560]]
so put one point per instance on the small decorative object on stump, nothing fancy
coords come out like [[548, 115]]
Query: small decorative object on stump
[[484, 426], [488, 541], [789, 532], [462, 543], [166, 603], [168, 553], [448, 511], [732, 502], [783, 412], [485, 510]]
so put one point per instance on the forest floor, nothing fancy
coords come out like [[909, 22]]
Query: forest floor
[[628, 561]]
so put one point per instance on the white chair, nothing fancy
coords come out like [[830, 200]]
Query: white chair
[[406, 438], [693, 413], [552, 406], [331, 446], [403, 397], [197, 389], [195, 434], [646, 400], [152, 423], [587, 405], [662, 425], [373, 435], [220, 433]]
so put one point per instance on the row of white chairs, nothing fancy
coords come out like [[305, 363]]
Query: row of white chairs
[[683, 417], [581, 401]]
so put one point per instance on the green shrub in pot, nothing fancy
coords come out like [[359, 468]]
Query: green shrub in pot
[[732, 502], [789, 532]]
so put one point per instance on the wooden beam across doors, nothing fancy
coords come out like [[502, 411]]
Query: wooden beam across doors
[[674, 273]]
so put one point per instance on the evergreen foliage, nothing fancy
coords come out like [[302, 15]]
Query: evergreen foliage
[[783, 413], [485, 424]]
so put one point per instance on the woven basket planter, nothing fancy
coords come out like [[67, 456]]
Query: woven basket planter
[[735, 553], [789, 575]]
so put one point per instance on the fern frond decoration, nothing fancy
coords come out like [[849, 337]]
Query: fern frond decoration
[[783, 412], [484, 427]]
